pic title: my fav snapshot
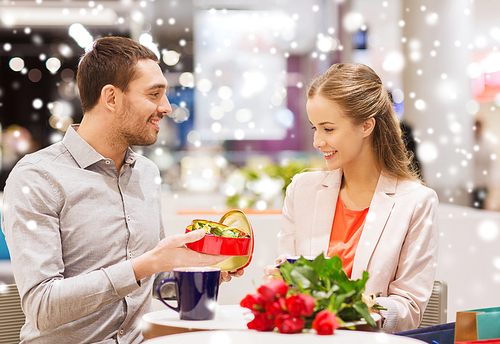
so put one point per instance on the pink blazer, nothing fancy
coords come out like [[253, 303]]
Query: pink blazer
[[398, 246]]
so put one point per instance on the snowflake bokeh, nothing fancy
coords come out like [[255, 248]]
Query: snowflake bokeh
[[238, 89]]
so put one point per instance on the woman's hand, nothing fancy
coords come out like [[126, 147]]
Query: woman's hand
[[272, 271], [226, 276]]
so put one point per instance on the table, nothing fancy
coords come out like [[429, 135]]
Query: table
[[253, 337], [167, 321], [227, 317]]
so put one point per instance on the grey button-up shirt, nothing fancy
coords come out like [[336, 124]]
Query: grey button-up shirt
[[72, 224]]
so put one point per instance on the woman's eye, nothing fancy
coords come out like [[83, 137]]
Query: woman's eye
[[328, 130], [313, 128]]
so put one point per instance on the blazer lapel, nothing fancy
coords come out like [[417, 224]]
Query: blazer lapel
[[380, 209], [324, 210]]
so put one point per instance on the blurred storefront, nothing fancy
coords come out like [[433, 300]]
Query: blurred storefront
[[238, 72]]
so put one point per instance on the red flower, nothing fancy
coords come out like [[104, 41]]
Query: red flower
[[325, 322], [254, 302], [300, 304], [287, 323], [275, 308], [261, 322], [274, 289]]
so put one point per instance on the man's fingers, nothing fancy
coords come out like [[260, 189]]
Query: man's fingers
[[192, 236]]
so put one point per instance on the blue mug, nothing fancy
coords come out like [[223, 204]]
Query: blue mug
[[197, 291], [293, 259]]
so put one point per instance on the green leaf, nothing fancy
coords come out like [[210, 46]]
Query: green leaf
[[325, 280], [342, 298], [305, 277], [286, 270], [349, 314], [362, 309]]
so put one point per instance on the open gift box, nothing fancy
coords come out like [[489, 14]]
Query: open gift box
[[478, 326]]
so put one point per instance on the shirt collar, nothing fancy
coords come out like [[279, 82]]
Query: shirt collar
[[130, 157], [84, 154]]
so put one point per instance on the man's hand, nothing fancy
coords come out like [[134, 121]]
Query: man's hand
[[171, 253]]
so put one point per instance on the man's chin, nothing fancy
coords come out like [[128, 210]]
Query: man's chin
[[144, 143]]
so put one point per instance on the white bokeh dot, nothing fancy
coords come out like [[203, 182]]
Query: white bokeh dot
[[487, 230], [427, 151], [239, 134], [420, 104], [496, 262], [37, 103]]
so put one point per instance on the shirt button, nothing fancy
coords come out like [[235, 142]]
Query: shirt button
[[128, 217], [121, 332], [108, 162]]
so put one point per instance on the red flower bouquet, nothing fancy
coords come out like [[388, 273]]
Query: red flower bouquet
[[314, 295], [272, 308]]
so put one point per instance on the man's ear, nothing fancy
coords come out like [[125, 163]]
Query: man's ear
[[368, 126], [109, 97]]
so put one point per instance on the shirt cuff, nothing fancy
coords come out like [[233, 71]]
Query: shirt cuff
[[390, 315], [122, 278]]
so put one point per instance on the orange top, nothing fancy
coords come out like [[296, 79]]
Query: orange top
[[346, 230]]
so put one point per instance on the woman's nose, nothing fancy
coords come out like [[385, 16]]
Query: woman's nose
[[318, 142]]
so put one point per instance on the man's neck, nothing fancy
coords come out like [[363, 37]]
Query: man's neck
[[97, 134]]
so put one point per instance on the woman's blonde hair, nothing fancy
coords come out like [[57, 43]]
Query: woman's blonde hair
[[359, 92]]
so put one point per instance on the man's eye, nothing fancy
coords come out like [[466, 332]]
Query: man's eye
[[155, 94]]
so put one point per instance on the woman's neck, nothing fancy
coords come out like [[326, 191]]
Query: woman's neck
[[359, 184]]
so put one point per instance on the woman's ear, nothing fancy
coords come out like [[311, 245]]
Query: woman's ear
[[109, 97], [368, 126]]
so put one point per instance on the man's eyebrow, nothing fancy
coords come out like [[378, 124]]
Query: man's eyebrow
[[156, 86]]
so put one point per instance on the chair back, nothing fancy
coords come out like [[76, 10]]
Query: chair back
[[437, 308], [12, 317]]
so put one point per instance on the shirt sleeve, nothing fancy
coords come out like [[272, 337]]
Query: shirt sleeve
[[389, 315], [30, 220], [169, 290]]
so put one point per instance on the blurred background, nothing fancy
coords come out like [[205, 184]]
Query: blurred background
[[238, 72]]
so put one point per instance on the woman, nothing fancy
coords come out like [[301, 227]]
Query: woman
[[369, 207]]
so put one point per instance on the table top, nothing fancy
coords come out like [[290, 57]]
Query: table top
[[227, 318], [252, 337]]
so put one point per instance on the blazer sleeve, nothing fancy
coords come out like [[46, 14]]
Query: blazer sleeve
[[286, 237], [412, 286]]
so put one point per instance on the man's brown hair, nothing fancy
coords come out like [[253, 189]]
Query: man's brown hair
[[110, 61]]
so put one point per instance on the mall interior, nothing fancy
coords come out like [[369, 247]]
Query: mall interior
[[238, 72]]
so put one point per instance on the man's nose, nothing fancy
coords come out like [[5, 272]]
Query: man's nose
[[165, 107]]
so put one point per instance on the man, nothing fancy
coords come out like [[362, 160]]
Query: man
[[82, 217]]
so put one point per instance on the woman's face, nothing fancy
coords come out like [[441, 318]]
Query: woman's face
[[341, 142]]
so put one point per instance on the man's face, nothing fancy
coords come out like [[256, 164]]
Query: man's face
[[142, 106]]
